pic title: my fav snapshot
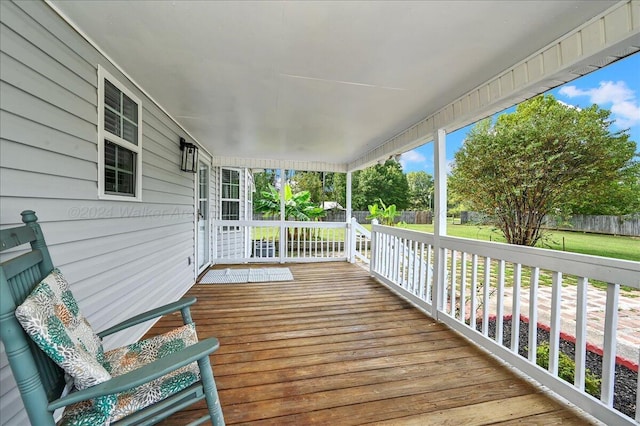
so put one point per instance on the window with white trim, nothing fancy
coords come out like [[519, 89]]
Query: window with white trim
[[230, 200], [119, 140]]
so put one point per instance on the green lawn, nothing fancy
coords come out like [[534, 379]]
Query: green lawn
[[596, 244]]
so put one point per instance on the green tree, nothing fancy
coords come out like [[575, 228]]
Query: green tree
[[382, 181], [328, 183], [420, 190], [536, 161], [311, 182], [358, 201], [617, 198]]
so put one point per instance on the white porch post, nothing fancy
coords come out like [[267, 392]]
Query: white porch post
[[440, 221], [349, 210], [283, 232], [350, 243]]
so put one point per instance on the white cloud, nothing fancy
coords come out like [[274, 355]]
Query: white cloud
[[627, 114], [412, 156], [572, 91], [618, 97]]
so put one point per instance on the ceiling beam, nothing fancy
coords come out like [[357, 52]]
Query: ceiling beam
[[258, 163]]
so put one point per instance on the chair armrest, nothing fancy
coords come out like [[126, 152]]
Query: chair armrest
[[182, 304], [142, 375]]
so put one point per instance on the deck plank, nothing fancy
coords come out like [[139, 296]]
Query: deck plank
[[336, 347]]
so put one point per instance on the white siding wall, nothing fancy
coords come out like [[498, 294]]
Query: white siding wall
[[120, 257]]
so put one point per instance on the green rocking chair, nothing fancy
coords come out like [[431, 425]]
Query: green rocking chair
[[51, 347]]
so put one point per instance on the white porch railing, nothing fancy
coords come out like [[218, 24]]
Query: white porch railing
[[241, 241], [359, 242], [467, 284]]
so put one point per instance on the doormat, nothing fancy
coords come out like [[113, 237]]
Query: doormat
[[253, 275]]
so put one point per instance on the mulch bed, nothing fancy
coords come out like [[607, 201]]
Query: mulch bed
[[626, 380]]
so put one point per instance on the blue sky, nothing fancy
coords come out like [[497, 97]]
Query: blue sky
[[615, 87]]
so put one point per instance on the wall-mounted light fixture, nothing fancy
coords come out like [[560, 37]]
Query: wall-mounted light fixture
[[189, 160]]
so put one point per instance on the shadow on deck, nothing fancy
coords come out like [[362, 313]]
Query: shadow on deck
[[335, 347]]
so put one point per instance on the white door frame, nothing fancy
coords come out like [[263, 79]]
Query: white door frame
[[204, 163]]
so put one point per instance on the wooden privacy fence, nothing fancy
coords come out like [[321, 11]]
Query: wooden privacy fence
[[613, 225]]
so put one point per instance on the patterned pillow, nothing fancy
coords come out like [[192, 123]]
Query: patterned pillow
[[50, 315], [131, 357]]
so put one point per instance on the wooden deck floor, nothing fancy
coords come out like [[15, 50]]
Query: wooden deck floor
[[335, 347]]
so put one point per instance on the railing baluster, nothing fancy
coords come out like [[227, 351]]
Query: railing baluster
[[554, 336], [391, 247], [473, 315], [410, 265], [402, 257], [533, 313], [366, 247], [404, 260], [380, 253], [386, 241], [581, 332], [273, 240], [413, 272], [416, 268], [442, 293], [453, 283], [381, 249], [463, 286], [485, 299], [389, 254], [400, 260], [429, 281], [515, 311], [396, 259], [422, 274], [284, 241], [609, 349], [304, 244], [384, 238], [500, 303]]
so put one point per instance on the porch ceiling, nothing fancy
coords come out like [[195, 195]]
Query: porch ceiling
[[326, 83]]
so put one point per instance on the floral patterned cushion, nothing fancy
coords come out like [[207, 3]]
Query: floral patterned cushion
[[128, 358], [50, 315]]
